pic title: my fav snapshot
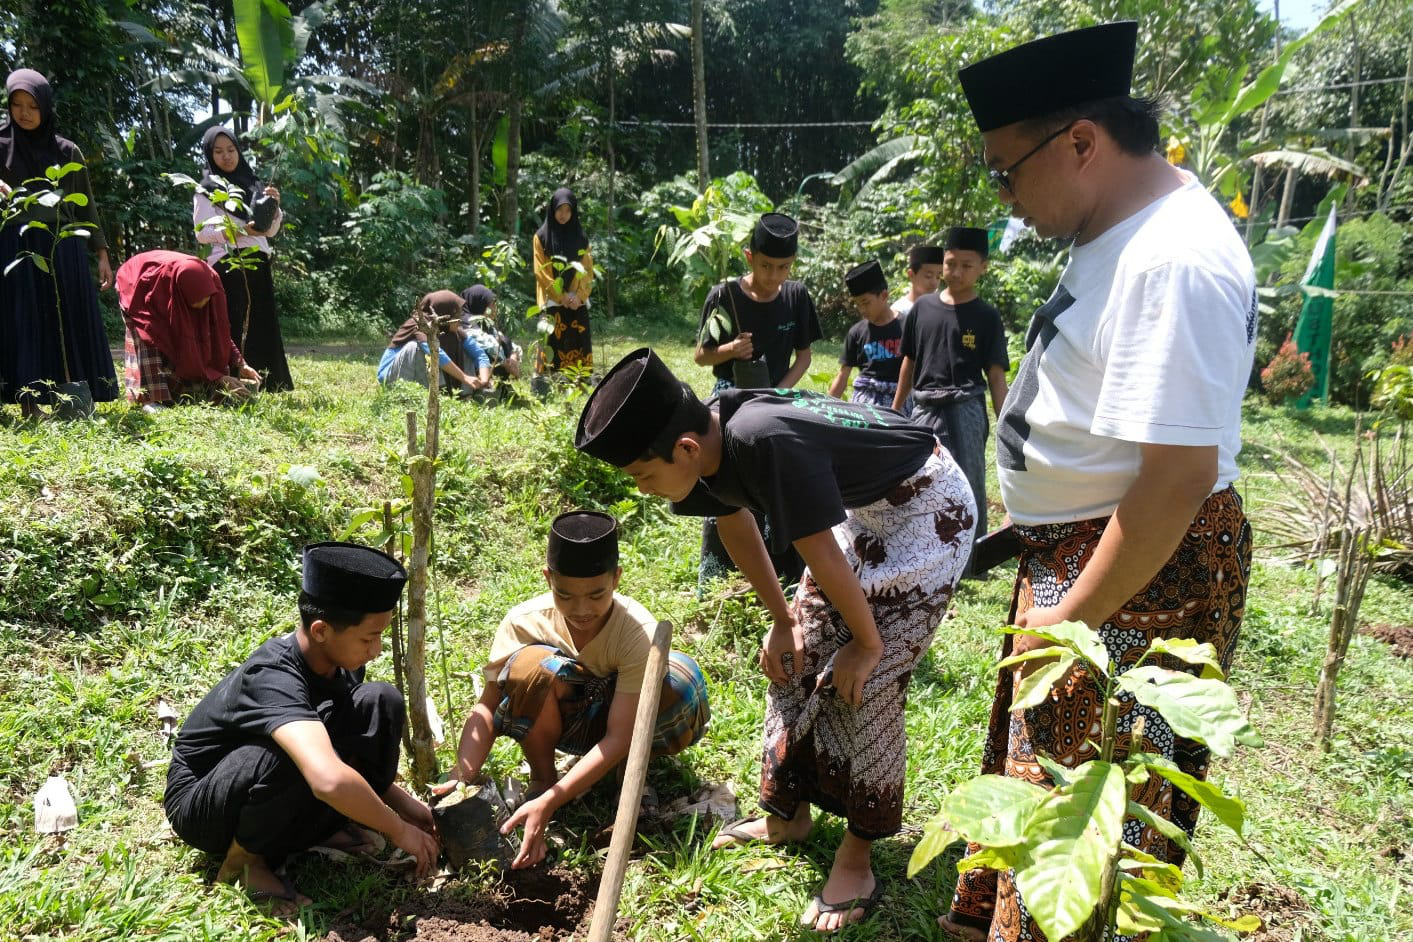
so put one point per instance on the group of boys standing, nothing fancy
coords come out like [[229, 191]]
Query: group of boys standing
[[1116, 459]]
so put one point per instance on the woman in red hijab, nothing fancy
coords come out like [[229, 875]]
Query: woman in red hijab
[[178, 339]]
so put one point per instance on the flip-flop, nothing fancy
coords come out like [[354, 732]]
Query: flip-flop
[[868, 904], [736, 830]]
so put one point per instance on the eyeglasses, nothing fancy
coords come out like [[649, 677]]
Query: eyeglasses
[[1001, 179]]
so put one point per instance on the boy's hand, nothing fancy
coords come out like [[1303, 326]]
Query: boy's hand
[[853, 663], [785, 637], [420, 844], [535, 817], [420, 815], [442, 789], [742, 347]]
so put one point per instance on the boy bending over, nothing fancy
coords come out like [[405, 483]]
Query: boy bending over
[[292, 747], [565, 672], [883, 519]]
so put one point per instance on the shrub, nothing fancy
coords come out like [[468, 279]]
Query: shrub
[[1288, 375]]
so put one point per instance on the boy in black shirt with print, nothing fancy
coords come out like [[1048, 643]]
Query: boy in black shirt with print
[[874, 344], [883, 519], [770, 321], [954, 352], [292, 747]]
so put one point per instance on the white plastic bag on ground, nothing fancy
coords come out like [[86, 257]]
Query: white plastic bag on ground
[[54, 809]]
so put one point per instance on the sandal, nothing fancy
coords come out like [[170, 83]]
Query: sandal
[[737, 832], [868, 904], [286, 894]]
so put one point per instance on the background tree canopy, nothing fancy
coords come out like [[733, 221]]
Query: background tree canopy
[[415, 143]]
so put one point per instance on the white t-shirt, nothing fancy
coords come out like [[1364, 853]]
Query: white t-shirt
[[902, 306], [1148, 339]]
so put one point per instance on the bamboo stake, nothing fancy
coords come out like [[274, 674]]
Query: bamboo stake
[[390, 547], [625, 824]]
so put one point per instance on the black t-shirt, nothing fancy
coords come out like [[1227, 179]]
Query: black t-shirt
[[802, 457], [952, 346], [778, 327], [273, 687], [876, 351]]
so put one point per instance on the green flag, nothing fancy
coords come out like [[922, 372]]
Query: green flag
[[1312, 330]]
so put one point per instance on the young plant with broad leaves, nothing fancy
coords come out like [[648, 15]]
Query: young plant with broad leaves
[[243, 259], [48, 195], [1078, 876]]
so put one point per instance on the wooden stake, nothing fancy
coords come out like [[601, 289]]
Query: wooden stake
[[625, 824]]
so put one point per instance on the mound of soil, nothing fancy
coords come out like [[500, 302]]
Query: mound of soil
[[1283, 911], [1398, 637], [527, 906]]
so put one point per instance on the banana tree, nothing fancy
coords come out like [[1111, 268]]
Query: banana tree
[[1223, 96]]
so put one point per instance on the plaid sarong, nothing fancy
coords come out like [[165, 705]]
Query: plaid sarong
[[145, 372], [529, 675], [147, 375]]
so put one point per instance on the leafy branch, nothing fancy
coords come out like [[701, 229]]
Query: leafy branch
[[1065, 844]]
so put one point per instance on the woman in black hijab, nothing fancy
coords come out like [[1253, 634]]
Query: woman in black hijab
[[478, 316], [564, 275], [244, 265], [51, 329]]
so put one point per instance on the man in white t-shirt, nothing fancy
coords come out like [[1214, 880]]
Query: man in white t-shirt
[[1116, 448]]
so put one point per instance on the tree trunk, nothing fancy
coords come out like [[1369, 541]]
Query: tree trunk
[[422, 469], [1353, 99], [1261, 136], [473, 171], [699, 95], [609, 284], [1386, 197], [510, 206], [1287, 196]]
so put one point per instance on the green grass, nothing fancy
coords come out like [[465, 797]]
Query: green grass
[[143, 557]]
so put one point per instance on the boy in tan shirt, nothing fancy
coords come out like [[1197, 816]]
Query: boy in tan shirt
[[564, 673]]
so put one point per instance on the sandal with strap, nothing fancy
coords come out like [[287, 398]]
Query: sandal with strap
[[868, 904]]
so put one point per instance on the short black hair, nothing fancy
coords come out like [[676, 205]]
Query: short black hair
[[312, 610], [1133, 123], [690, 416]]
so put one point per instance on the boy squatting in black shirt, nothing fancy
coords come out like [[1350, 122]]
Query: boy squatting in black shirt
[[293, 746]]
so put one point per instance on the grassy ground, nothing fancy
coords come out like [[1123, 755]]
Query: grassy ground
[[143, 557]]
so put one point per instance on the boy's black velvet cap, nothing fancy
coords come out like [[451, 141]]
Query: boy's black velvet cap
[[776, 235], [920, 255], [867, 278], [967, 237], [630, 408], [583, 543], [1050, 74], [352, 577]]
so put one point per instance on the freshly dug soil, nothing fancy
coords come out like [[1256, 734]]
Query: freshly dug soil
[[528, 906], [1398, 637], [1283, 912]]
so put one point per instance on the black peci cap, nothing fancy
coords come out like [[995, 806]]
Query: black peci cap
[[867, 278], [776, 235], [583, 543], [352, 577], [624, 415], [966, 237], [920, 255], [1050, 74]]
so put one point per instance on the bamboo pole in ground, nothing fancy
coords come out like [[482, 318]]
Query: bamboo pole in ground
[[625, 824]]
